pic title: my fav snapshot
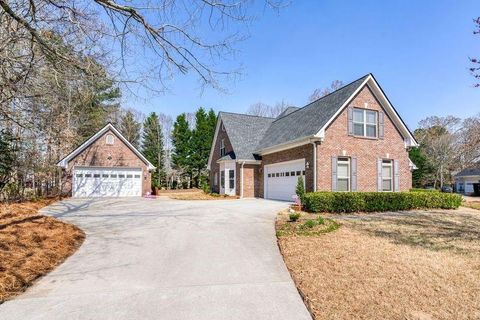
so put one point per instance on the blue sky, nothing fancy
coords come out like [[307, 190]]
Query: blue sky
[[417, 50]]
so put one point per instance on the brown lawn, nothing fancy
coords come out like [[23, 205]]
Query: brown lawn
[[31, 245], [195, 195], [417, 265]]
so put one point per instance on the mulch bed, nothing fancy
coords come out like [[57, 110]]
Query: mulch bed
[[31, 245]]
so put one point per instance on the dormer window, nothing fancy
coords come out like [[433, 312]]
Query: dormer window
[[222, 148], [365, 123], [109, 139]]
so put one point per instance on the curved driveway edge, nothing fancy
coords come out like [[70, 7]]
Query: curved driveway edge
[[166, 259]]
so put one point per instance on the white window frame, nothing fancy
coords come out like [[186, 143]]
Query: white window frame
[[388, 163], [222, 179], [109, 139], [364, 123], [231, 179], [345, 160], [222, 147]]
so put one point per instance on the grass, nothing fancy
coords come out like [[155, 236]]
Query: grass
[[31, 245], [305, 225], [414, 265], [472, 204], [197, 195]]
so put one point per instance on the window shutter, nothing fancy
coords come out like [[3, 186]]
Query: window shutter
[[379, 175], [334, 173], [396, 175], [381, 125], [354, 173], [350, 121]]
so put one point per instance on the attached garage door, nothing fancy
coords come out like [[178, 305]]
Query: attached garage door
[[107, 182], [281, 179]]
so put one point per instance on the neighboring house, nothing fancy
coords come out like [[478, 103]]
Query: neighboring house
[[465, 179], [349, 140], [106, 165]]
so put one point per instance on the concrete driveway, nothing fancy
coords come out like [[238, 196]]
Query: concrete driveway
[[166, 259]]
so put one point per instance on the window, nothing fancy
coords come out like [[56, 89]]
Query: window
[[113, 176], [343, 174], [129, 176], [88, 175], [222, 179], [287, 174], [222, 148], [137, 176], [292, 173], [215, 179], [277, 174], [299, 173], [365, 123], [387, 175], [79, 175], [104, 175], [96, 175], [231, 179], [109, 139], [121, 176]]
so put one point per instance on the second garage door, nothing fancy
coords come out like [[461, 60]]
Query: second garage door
[[107, 182], [281, 179]]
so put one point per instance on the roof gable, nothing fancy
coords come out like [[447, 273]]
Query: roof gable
[[307, 121], [109, 127]]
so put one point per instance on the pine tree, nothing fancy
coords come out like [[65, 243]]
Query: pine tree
[[152, 149], [130, 128], [7, 157], [182, 148]]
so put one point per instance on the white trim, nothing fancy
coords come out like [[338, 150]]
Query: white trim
[[64, 162], [212, 148], [377, 91]]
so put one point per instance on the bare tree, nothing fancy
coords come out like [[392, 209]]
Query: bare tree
[[475, 68], [469, 142], [318, 93], [264, 110], [438, 137]]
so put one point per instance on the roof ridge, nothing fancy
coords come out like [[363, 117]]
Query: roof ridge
[[307, 105], [245, 114]]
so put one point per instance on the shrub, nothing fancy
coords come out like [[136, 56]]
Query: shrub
[[309, 224], [320, 220], [294, 216], [300, 189], [340, 202]]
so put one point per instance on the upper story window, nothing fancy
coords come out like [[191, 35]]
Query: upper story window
[[222, 148], [365, 123], [109, 139], [387, 175], [343, 174]]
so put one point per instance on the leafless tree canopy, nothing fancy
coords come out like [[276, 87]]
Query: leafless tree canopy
[[475, 68], [264, 110], [318, 93]]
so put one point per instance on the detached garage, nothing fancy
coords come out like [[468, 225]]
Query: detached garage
[[106, 165]]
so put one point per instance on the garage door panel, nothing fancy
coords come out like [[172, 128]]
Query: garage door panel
[[281, 179], [107, 182]]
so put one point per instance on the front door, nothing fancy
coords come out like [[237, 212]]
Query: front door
[[227, 178]]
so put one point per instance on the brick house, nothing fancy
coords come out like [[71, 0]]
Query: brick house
[[350, 140], [106, 165]]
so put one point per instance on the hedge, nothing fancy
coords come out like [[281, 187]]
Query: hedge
[[340, 202]]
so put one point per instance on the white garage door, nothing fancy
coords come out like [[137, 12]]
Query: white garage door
[[281, 179], [107, 182]]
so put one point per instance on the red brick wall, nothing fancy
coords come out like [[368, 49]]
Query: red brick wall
[[305, 151], [251, 180], [366, 150], [101, 154], [214, 166]]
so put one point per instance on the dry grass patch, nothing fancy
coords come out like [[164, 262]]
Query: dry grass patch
[[199, 195], [31, 245], [472, 204], [418, 265]]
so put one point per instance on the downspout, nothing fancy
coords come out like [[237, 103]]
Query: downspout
[[241, 180]]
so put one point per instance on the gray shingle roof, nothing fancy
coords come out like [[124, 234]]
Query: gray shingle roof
[[245, 132], [249, 134], [469, 172], [308, 120]]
